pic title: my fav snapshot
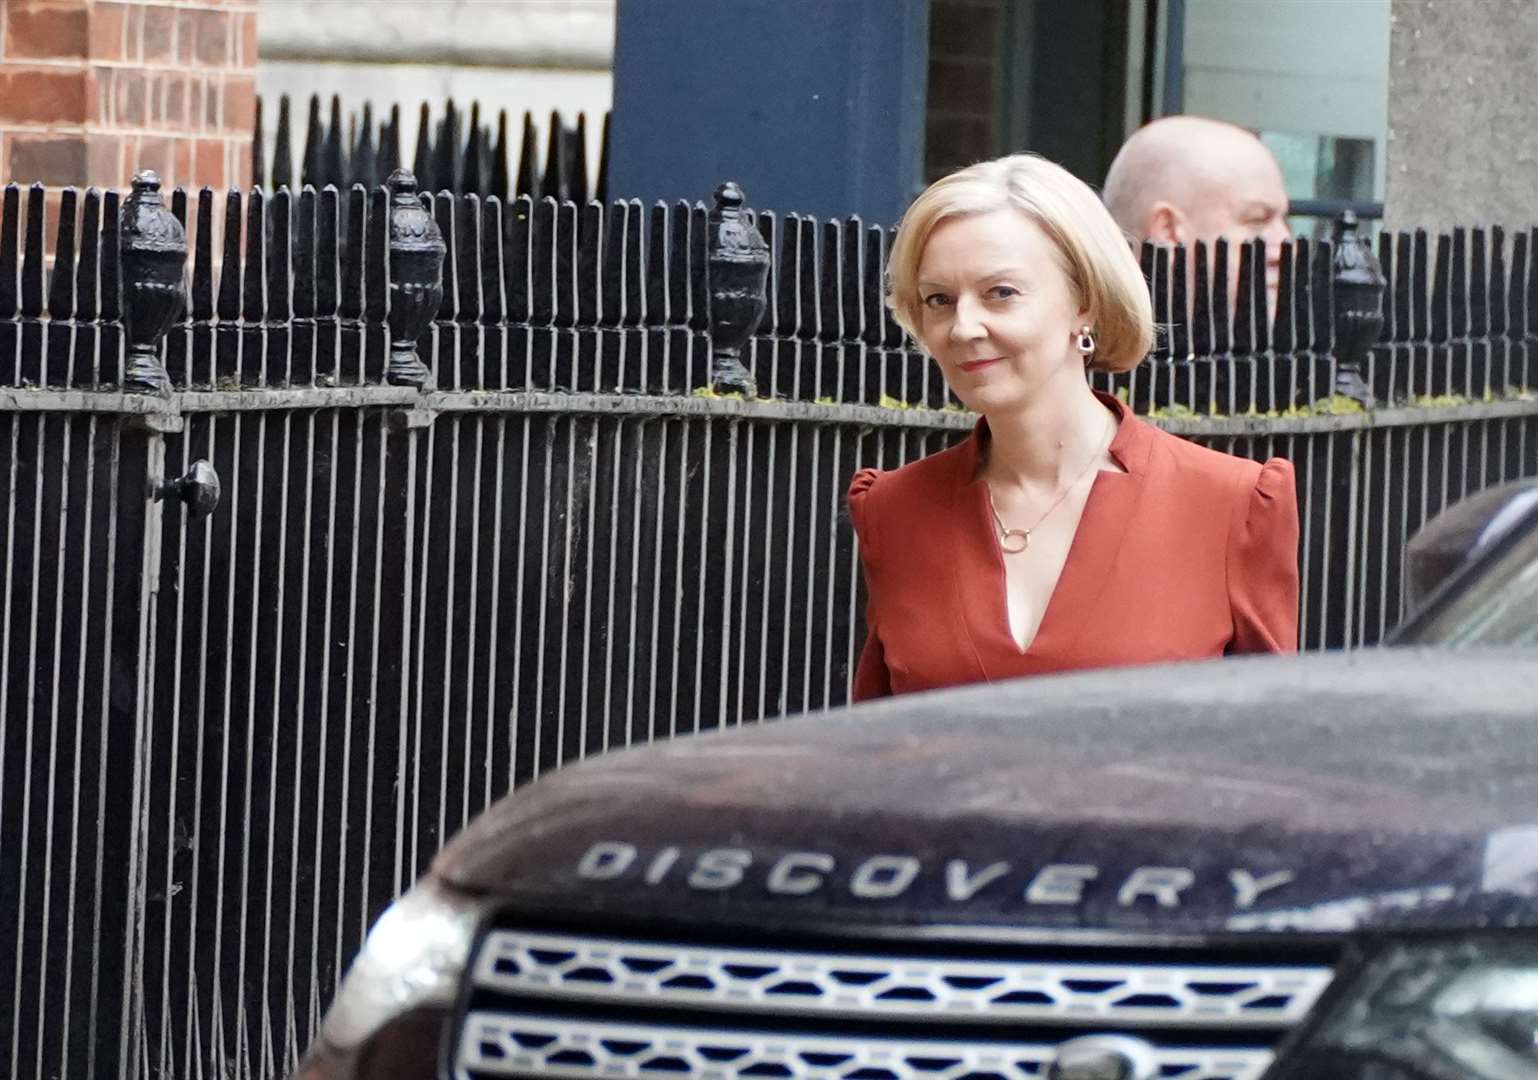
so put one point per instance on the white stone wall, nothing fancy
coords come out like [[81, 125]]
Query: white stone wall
[[535, 55], [1463, 118]]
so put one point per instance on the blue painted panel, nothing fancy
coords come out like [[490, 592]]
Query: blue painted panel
[[815, 106]]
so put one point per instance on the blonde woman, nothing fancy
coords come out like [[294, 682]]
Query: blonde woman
[[1064, 532]]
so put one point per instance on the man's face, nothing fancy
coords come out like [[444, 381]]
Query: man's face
[[1245, 199]]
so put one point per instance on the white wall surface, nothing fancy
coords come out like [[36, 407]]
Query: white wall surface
[[570, 34], [534, 55], [1464, 118]]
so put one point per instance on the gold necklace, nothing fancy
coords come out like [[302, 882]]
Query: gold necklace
[[1022, 537]]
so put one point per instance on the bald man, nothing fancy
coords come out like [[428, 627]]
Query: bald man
[[1186, 178]]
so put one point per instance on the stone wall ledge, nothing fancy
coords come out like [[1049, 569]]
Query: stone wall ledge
[[575, 35]]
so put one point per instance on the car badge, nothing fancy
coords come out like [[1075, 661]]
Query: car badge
[[1104, 1057]]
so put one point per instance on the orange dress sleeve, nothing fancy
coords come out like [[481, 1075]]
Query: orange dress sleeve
[[871, 679], [1263, 564]]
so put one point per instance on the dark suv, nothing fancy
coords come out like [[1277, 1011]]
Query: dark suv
[[1313, 866]]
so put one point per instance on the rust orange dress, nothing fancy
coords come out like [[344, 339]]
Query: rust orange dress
[[1189, 553]]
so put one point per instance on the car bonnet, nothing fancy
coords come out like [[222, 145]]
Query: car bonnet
[[1313, 794]]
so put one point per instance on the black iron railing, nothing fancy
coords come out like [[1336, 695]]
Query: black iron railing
[[457, 152], [242, 702]]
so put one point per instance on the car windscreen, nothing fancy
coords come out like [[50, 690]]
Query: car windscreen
[[1491, 601]]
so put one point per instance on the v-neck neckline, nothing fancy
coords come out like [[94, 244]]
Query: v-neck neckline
[[1086, 569], [1001, 569]]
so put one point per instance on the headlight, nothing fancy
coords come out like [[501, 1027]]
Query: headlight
[[414, 957], [1465, 1010]]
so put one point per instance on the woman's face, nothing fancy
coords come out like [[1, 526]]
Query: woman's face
[[997, 312]]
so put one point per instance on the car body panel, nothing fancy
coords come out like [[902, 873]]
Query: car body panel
[[1309, 794]]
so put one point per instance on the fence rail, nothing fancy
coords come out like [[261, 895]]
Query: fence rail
[[230, 739]]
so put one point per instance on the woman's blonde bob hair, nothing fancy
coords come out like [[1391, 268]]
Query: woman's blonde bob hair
[[1091, 250]]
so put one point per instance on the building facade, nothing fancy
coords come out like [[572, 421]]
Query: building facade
[[1360, 100], [92, 90]]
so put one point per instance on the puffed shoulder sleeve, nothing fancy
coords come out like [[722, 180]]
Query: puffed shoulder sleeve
[[1263, 564], [871, 678], [860, 511]]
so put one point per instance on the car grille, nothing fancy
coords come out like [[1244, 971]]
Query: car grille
[[580, 1006]]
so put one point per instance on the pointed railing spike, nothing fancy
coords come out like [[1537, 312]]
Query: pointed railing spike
[[500, 177], [282, 151], [528, 158], [258, 149], [314, 136]]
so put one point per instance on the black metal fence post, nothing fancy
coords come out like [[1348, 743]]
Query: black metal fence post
[[153, 250], [416, 280], [739, 272], [1358, 283]]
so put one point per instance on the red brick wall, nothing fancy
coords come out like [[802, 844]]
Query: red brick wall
[[93, 90], [965, 58]]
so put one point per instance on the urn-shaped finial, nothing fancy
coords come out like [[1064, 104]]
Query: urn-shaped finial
[[1357, 283], [152, 248], [416, 280], [739, 270]]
